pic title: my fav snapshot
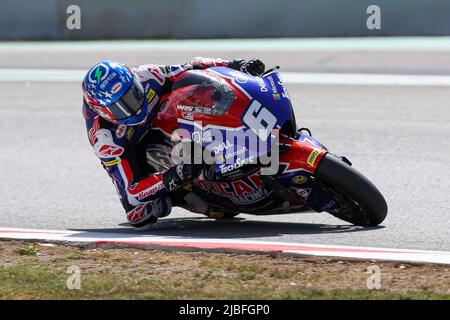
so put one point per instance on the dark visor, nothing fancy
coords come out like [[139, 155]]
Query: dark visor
[[130, 103]]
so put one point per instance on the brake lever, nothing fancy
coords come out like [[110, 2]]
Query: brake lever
[[270, 70]]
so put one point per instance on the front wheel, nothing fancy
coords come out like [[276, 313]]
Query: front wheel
[[360, 202]]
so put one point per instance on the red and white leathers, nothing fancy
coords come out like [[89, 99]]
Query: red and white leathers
[[123, 149]]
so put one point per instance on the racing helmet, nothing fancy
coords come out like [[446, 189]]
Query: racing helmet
[[112, 91]]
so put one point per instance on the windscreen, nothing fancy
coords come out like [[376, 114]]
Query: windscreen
[[209, 94]]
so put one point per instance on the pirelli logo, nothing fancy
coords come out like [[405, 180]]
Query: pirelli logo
[[313, 157]]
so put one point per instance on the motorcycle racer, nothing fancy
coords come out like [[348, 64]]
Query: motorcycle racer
[[119, 105]]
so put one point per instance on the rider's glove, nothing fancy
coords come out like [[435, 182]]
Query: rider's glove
[[255, 67], [180, 175], [236, 64]]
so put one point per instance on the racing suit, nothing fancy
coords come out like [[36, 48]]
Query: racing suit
[[143, 191]]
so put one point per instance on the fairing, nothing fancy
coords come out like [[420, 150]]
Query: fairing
[[234, 116]]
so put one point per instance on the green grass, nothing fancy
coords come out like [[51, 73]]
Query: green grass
[[29, 250], [27, 282], [32, 271]]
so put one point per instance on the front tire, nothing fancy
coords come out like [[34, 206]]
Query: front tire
[[365, 205]]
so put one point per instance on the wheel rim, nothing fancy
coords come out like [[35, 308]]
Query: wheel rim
[[347, 209]]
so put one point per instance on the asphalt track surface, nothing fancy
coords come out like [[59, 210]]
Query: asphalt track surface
[[398, 136]]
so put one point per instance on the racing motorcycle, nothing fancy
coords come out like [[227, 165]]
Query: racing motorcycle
[[213, 109]]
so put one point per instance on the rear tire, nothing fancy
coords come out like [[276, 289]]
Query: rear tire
[[369, 208]]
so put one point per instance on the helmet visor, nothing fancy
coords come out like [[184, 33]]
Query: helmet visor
[[130, 103]]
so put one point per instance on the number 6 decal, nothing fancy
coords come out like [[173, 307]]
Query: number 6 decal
[[260, 120]]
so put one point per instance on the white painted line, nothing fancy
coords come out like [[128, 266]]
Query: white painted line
[[98, 239], [224, 45], [350, 79], [361, 79], [42, 75]]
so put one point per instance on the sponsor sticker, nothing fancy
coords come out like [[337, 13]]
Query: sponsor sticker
[[111, 163], [202, 136], [187, 115], [284, 93], [97, 75], [116, 88], [299, 179], [120, 131], [185, 108], [130, 133], [203, 110], [262, 85], [329, 204], [224, 168], [313, 157], [304, 193], [151, 95], [239, 77]]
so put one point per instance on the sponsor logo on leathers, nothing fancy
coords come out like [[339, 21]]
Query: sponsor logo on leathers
[[120, 131], [105, 147], [137, 215], [151, 191]]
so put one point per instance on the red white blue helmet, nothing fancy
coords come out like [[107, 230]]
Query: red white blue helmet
[[115, 93]]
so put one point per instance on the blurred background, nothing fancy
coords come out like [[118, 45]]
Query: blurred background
[[177, 19]]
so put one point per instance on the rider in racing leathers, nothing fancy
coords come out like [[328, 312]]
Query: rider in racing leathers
[[119, 106]]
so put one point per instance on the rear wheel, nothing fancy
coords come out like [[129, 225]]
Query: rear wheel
[[359, 201]]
